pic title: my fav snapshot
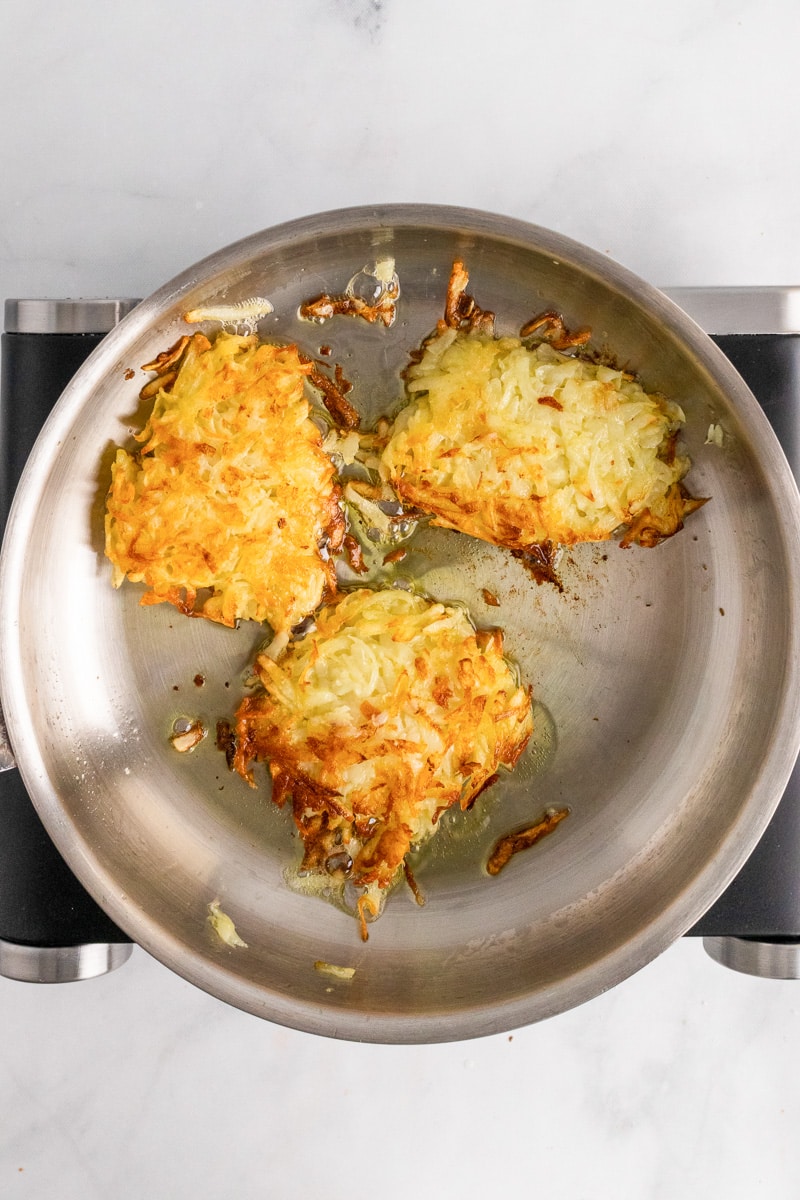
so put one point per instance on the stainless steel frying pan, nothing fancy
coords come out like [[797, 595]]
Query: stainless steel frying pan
[[666, 680]]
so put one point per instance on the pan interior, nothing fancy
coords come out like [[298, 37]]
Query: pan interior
[[663, 680]]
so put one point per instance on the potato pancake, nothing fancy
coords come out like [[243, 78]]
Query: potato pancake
[[390, 711], [524, 446], [230, 509]]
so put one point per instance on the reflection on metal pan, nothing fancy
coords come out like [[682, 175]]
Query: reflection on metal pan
[[666, 680]]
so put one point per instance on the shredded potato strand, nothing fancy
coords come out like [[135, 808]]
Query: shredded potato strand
[[231, 492], [522, 446], [387, 714]]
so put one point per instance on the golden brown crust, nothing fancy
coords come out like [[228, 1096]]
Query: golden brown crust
[[655, 525], [392, 710], [523, 445], [225, 508], [528, 447]]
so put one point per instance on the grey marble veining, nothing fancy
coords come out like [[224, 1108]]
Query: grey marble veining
[[136, 140]]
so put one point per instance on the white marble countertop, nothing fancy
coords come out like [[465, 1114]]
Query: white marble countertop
[[136, 141]]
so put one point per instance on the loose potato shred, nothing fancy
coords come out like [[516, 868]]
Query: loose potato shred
[[523, 839]]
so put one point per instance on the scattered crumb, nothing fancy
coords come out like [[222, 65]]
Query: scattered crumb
[[523, 839], [223, 926], [331, 969], [187, 734]]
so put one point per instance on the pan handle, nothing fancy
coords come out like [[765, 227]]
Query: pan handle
[[44, 343], [7, 760]]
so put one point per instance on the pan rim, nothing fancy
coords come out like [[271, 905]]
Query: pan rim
[[621, 962]]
